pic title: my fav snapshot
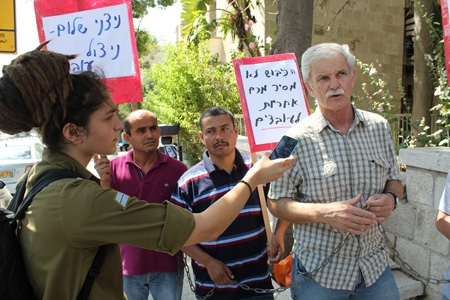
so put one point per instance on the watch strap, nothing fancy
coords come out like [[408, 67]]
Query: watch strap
[[395, 198]]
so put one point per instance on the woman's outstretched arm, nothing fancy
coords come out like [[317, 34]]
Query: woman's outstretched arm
[[212, 222]]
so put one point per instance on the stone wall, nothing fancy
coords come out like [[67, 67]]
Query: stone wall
[[411, 226], [374, 31]]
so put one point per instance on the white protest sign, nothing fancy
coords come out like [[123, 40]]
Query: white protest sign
[[272, 96], [100, 37]]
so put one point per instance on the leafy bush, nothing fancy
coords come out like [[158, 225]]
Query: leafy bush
[[436, 63], [407, 133], [184, 84]]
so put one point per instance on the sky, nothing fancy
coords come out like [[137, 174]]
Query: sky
[[161, 23]]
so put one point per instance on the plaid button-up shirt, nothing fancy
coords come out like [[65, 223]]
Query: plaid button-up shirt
[[331, 166]]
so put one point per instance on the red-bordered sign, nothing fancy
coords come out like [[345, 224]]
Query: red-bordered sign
[[446, 32], [272, 95], [101, 33]]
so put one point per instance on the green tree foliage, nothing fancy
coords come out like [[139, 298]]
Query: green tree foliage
[[237, 21], [436, 63], [144, 42], [148, 47], [376, 92], [185, 83], [192, 10]]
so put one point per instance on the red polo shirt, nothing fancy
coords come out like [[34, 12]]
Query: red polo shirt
[[154, 187]]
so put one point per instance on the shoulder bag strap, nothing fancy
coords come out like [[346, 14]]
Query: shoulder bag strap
[[19, 205], [94, 271]]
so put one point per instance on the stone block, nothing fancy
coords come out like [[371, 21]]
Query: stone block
[[419, 186], [359, 16], [438, 265], [408, 287], [431, 293], [381, 19], [402, 221], [391, 244], [425, 232], [414, 255], [439, 185], [436, 158], [443, 247]]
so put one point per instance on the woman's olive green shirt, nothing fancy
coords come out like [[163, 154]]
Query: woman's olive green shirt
[[70, 218]]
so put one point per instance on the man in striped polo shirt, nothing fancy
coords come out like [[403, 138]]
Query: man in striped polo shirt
[[239, 255]]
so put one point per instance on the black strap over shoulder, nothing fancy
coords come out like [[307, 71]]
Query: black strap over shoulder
[[19, 205], [94, 271], [17, 199]]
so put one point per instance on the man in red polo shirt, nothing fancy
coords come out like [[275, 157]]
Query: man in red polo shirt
[[148, 174]]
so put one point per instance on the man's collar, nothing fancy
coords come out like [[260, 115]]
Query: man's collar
[[321, 122], [211, 167], [162, 158]]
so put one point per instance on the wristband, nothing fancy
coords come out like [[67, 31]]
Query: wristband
[[395, 198], [247, 184]]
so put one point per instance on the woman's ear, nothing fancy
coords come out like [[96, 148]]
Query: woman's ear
[[71, 133]]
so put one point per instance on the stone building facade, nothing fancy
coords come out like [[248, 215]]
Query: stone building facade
[[373, 30]]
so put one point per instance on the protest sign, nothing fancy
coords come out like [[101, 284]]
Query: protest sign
[[101, 34], [446, 32], [273, 100], [272, 96]]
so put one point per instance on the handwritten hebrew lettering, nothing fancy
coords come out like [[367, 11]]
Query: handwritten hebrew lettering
[[253, 74], [108, 23], [81, 65], [284, 87], [272, 96], [280, 121], [100, 37], [280, 104]]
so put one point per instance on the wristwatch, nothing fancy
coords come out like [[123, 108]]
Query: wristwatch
[[395, 198]]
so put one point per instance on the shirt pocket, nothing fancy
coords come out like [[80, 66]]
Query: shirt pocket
[[324, 180], [379, 163], [378, 171]]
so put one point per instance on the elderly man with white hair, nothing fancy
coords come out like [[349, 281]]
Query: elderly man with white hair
[[344, 182]]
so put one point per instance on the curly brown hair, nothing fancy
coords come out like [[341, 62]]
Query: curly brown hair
[[38, 91]]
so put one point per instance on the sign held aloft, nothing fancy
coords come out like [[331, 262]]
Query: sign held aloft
[[272, 95], [101, 33], [446, 32]]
